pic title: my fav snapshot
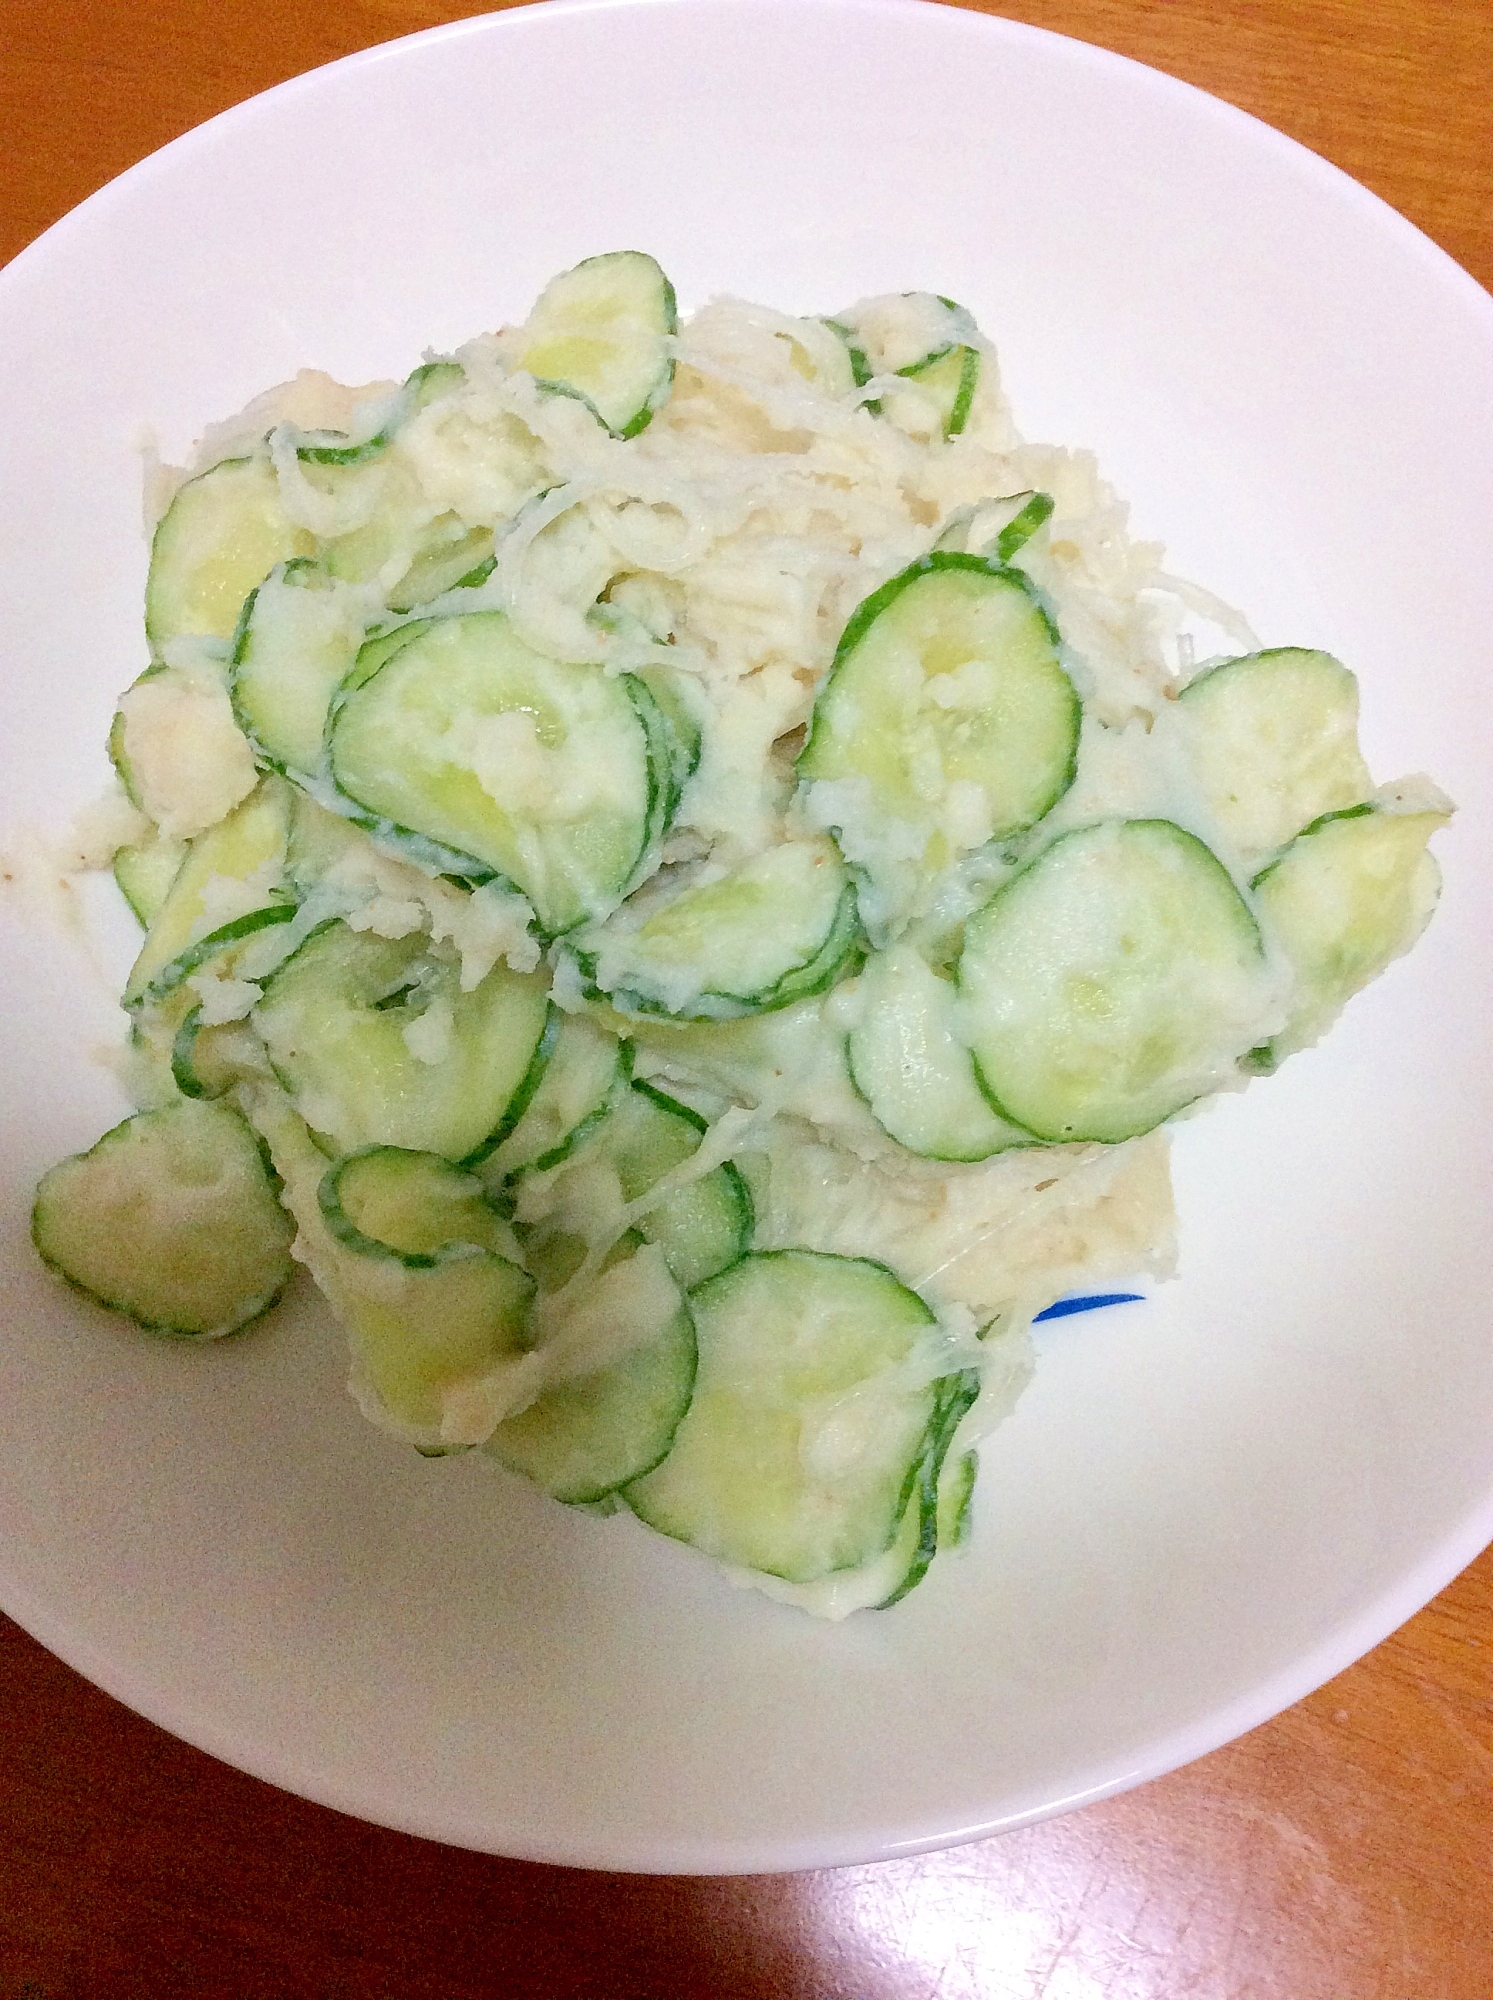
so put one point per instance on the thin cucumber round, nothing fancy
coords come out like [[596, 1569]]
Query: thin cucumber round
[[948, 708], [947, 382], [603, 332], [598, 1427], [802, 1444], [908, 1061], [239, 861], [297, 640], [1112, 981], [703, 1225], [771, 931], [387, 1201], [542, 772], [222, 534], [208, 1060], [172, 1220], [584, 1068], [1272, 741], [376, 1043], [145, 874], [1349, 895]]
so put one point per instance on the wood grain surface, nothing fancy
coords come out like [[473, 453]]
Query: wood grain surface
[[1342, 1852]]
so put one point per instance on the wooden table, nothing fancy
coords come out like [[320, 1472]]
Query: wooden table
[[1342, 1852]]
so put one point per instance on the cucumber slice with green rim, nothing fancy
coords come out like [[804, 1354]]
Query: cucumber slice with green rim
[[379, 648], [178, 749], [297, 639], [956, 1495], [584, 1067], [804, 1439], [449, 556], [604, 332], [948, 380], [207, 1061], [947, 701], [319, 841], [437, 1349], [421, 1333], [389, 1202], [996, 529], [119, 755], [939, 1523], [429, 382], [1114, 980], [861, 370], [154, 1031], [595, 1429], [1273, 743], [917, 1076], [240, 861], [1023, 524], [170, 1219], [540, 771], [145, 874], [771, 931], [901, 332], [342, 1020], [1349, 895], [222, 534], [684, 733], [219, 948], [702, 1226]]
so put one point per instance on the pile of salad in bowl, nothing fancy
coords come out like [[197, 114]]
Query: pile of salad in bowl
[[685, 870]]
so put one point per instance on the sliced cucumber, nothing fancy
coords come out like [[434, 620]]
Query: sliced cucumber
[[438, 1349], [379, 648], [297, 640], [430, 381], [803, 1441], [208, 1060], [170, 1219], [997, 529], [226, 889], [681, 721], [915, 1072], [179, 752], [702, 1226], [1112, 981], [389, 1202], [145, 874], [857, 361], [956, 1496], [772, 930], [941, 1511], [584, 1068], [1273, 742], [947, 702], [899, 333], [222, 534], [421, 1333], [449, 556], [597, 1427], [604, 332], [946, 384], [343, 1018], [1349, 894], [540, 771]]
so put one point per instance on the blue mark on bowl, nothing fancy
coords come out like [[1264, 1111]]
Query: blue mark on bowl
[[1091, 1302]]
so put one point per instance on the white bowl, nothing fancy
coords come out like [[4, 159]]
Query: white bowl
[[1207, 1504]]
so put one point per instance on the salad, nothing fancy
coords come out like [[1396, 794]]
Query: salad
[[684, 872]]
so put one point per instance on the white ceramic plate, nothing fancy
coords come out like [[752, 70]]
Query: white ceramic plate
[[1206, 1505]]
